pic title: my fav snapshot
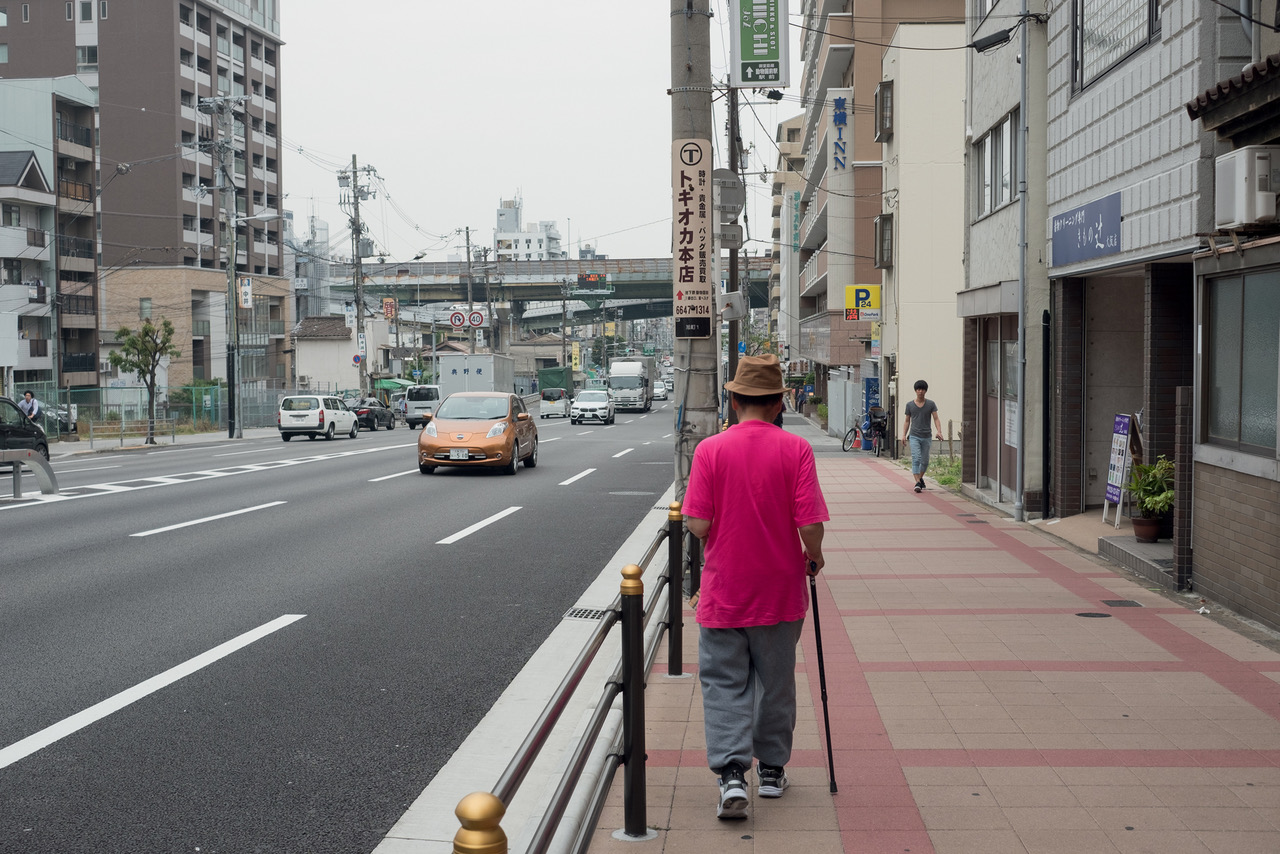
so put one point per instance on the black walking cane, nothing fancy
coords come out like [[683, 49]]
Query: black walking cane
[[822, 676]]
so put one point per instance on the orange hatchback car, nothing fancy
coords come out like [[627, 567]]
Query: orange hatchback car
[[479, 429]]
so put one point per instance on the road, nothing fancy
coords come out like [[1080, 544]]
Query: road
[[268, 647]]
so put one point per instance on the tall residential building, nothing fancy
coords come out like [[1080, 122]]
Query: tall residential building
[[154, 65], [784, 275], [48, 232], [514, 241], [842, 53]]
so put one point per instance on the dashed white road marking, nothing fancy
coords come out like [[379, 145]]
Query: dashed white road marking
[[207, 519], [389, 476], [466, 532], [578, 476], [623, 453]]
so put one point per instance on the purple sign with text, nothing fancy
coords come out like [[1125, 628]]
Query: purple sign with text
[[1118, 468]]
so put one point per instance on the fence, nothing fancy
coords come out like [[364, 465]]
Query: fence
[[480, 813], [134, 429]]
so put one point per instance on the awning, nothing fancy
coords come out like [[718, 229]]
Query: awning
[[393, 383]]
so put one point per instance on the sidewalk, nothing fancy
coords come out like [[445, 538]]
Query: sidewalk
[[993, 690]]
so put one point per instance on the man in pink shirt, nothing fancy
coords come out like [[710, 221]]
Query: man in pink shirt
[[753, 498]]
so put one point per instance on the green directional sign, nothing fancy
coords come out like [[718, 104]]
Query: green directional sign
[[759, 44], [648, 349]]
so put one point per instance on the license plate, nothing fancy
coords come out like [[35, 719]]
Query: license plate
[[458, 454]]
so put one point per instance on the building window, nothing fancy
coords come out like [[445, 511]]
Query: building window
[[10, 271], [1104, 32], [184, 15], [86, 10], [884, 111], [4, 53], [86, 59], [10, 215], [1242, 361], [884, 241], [144, 308], [71, 11], [26, 13], [985, 158], [102, 10], [997, 165], [4, 16]]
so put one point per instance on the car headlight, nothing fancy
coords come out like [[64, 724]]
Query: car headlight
[[430, 429], [497, 430]]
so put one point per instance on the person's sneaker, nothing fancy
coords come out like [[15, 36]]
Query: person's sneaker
[[733, 792], [923, 485], [773, 781], [919, 487]]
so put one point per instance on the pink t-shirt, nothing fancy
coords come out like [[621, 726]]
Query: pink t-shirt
[[756, 484]]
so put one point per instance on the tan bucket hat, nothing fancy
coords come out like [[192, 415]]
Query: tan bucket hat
[[758, 376]]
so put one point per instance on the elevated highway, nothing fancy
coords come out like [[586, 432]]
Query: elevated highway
[[638, 287]]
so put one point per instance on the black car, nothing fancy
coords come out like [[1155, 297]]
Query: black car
[[373, 413], [18, 432]]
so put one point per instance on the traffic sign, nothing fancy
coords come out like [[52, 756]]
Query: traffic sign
[[417, 375], [476, 318], [355, 360], [742, 347], [457, 319]]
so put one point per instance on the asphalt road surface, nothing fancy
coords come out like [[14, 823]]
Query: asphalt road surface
[[265, 647]]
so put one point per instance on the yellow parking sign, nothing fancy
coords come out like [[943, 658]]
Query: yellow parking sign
[[864, 299]]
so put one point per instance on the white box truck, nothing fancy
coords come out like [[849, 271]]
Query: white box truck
[[631, 382], [479, 372]]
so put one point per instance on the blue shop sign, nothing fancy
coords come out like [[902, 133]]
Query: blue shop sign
[[1089, 231]]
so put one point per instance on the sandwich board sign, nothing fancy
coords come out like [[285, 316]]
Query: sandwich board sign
[[1123, 436]]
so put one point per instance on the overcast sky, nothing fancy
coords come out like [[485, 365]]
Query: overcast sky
[[459, 105]]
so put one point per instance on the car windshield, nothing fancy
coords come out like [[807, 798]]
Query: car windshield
[[593, 397], [299, 404], [474, 408], [421, 393]]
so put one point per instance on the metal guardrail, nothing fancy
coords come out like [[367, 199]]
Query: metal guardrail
[[133, 429], [480, 813], [39, 466]]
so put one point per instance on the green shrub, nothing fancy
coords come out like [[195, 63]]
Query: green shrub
[[822, 411]]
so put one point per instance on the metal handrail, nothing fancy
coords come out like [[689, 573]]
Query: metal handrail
[[481, 812]]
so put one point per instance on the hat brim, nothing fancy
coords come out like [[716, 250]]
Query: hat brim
[[753, 391]]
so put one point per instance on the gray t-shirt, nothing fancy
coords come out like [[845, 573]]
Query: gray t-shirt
[[919, 416]]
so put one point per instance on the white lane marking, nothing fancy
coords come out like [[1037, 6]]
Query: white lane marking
[[206, 519], [95, 468], [585, 432], [578, 476], [389, 476], [466, 532], [553, 439], [623, 453], [632, 421], [668, 436], [47, 736], [240, 453]]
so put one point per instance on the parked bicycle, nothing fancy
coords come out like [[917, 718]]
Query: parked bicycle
[[877, 424]]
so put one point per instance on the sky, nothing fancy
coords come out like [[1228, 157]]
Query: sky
[[459, 105]]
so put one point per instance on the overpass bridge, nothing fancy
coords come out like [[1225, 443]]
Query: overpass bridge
[[638, 288]]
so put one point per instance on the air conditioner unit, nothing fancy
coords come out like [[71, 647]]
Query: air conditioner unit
[[1245, 182], [303, 379], [104, 367]]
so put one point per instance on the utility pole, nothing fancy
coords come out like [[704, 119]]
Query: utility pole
[[470, 301], [564, 323], [735, 162], [357, 231], [220, 109], [697, 359]]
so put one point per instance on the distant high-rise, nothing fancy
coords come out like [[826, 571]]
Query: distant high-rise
[[161, 237]]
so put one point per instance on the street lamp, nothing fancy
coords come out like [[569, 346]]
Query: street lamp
[[234, 427]]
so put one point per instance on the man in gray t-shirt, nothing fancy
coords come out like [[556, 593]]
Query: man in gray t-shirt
[[916, 428]]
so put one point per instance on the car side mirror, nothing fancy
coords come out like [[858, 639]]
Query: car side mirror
[[523, 416]]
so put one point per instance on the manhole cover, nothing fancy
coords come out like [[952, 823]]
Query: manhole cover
[[1121, 603], [1092, 614], [584, 614]]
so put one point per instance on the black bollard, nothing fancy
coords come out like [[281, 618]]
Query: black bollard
[[633, 789]]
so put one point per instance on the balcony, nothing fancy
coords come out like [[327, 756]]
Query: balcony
[[76, 362], [29, 244], [79, 311], [78, 190], [75, 247], [37, 292], [813, 275], [275, 328]]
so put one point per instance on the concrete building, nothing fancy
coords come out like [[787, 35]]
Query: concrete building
[[842, 173], [784, 275], [151, 63], [919, 235], [326, 346], [514, 240], [48, 232]]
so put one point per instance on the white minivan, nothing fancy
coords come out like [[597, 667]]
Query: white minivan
[[420, 402]]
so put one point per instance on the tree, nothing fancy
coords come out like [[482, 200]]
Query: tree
[[140, 353]]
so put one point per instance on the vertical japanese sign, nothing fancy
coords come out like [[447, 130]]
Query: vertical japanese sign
[[759, 44], [388, 308], [839, 124], [576, 358], [691, 292], [244, 292]]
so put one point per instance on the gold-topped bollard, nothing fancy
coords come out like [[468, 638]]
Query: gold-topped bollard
[[633, 789], [480, 814], [675, 589]]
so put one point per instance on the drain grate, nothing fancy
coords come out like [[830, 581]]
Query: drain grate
[[963, 515], [1092, 614], [584, 614], [1121, 603], [1163, 562], [977, 521]]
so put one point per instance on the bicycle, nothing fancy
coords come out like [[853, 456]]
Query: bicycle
[[854, 436]]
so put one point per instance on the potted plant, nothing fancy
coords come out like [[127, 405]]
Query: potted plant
[[1151, 488]]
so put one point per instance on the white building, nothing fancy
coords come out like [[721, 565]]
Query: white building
[[513, 240]]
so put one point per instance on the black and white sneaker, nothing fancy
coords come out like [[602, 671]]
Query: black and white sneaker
[[919, 486], [773, 781], [733, 792]]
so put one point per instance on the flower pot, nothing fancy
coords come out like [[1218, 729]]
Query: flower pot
[[1146, 530]]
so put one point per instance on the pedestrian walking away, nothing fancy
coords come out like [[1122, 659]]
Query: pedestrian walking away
[[915, 428], [754, 500]]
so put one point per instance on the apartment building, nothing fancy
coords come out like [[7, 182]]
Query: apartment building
[[48, 234], [784, 274], [841, 198], [155, 65], [513, 240]]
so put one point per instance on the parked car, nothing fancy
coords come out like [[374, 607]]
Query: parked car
[[659, 390], [592, 405], [477, 429], [372, 413], [555, 401], [313, 415], [20, 433], [57, 418]]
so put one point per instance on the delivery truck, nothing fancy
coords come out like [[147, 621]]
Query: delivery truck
[[476, 372], [631, 382]]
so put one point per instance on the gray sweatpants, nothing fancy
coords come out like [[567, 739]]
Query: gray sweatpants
[[749, 693]]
